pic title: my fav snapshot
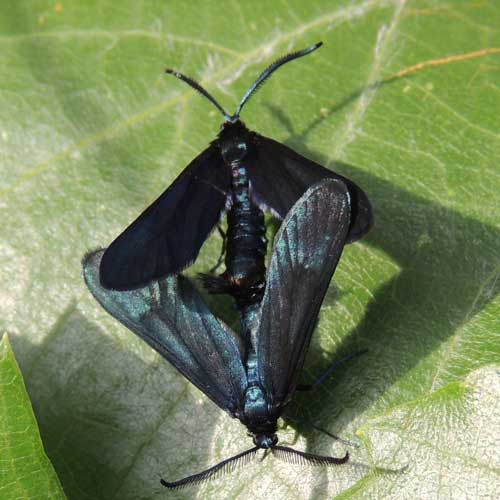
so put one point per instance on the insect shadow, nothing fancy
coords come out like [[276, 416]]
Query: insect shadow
[[428, 294], [447, 273], [103, 409], [416, 234]]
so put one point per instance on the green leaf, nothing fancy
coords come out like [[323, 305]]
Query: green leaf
[[445, 444], [92, 131], [25, 470]]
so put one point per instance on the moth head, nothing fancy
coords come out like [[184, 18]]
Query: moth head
[[265, 441]]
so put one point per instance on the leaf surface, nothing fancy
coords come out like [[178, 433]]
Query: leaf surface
[[92, 131], [25, 470]]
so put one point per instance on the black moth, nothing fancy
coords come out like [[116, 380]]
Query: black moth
[[241, 171], [252, 377]]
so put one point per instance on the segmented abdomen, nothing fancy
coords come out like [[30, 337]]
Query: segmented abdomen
[[246, 242]]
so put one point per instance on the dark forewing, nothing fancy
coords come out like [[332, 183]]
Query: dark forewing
[[306, 252], [280, 176], [173, 319], [168, 235]]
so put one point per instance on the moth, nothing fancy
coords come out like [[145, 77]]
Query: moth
[[242, 173], [251, 377]]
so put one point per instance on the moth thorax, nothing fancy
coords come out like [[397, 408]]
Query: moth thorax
[[233, 142], [255, 406], [256, 415], [233, 152]]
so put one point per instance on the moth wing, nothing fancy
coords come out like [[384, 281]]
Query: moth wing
[[306, 252], [280, 176], [172, 318], [168, 235]]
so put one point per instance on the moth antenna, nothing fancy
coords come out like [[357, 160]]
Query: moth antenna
[[303, 458], [200, 89], [269, 71], [218, 470]]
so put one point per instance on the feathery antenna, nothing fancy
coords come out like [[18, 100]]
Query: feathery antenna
[[218, 470], [253, 88], [200, 89], [230, 464], [301, 457], [269, 71]]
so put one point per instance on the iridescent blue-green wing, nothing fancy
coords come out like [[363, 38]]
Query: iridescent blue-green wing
[[306, 252], [280, 176], [172, 318], [168, 235]]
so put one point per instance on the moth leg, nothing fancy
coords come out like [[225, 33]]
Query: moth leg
[[223, 250], [329, 371], [320, 429]]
